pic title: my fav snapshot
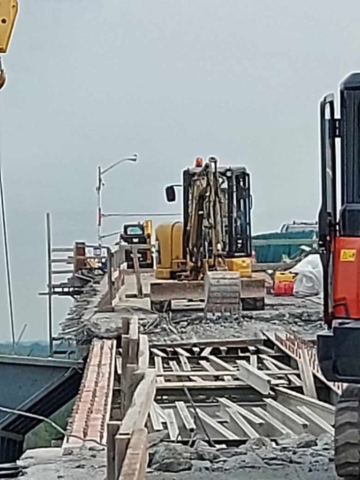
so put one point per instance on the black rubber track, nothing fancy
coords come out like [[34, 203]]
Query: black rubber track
[[347, 434]]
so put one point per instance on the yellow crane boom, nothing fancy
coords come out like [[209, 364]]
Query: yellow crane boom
[[8, 13]]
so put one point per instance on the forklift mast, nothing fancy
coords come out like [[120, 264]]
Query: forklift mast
[[339, 234]]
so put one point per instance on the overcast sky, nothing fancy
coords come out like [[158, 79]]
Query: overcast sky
[[89, 82]]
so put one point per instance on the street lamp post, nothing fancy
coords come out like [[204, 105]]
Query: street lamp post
[[100, 184]]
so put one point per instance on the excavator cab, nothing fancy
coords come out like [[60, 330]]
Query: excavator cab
[[339, 245], [339, 234]]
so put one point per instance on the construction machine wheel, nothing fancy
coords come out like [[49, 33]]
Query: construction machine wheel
[[347, 434], [222, 292]]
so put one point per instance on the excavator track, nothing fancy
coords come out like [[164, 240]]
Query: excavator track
[[347, 434], [222, 292]]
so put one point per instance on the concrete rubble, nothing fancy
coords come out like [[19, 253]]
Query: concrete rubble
[[304, 454]]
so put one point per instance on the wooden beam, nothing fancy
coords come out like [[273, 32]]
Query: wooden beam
[[274, 424], [289, 418], [155, 419], [157, 352], [137, 414], [137, 273], [292, 400], [253, 377], [220, 429], [185, 416], [133, 340], [205, 384], [306, 375], [228, 342], [186, 366], [255, 421], [219, 364], [112, 430], [159, 370], [172, 425], [317, 425], [244, 426], [143, 352], [136, 459]]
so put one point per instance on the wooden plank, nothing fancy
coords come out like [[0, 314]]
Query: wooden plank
[[206, 365], [143, 352], [133, 340], [159, 370], [276, 365], [181, 351], [279, 365], [195, 373], [155, 419], [253, 361], [136, 415], [253, 419], [317, 425], [186, 366], [292, 400], [112, 430], [244, 426], [185, 416], [227, 342], [158, 352], [118, 365], [135, 462], [160, 412], [206, 352], [172, 425], [205, 384], [289, 418], [220, 429], [139, 286], [306, 374], [253, 377], [278, 426], [174, 366], [219, 364], [112, 347]]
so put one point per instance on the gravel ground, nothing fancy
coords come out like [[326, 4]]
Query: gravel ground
[[283, 473], [306, 322]]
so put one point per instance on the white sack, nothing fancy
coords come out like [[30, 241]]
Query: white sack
[[309, 280]]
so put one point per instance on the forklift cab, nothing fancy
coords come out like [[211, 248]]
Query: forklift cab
[[134, 233]]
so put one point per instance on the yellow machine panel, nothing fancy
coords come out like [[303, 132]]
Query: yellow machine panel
[[169, 245], [241, 265]]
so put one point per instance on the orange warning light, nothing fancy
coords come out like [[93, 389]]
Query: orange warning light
[[198, 162]]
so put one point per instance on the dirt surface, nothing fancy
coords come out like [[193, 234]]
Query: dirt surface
[[53, 464]]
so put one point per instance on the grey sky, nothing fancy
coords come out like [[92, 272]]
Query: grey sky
[[90, 81]]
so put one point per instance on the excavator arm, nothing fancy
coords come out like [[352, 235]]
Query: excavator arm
[[8, 14], [204, 244]]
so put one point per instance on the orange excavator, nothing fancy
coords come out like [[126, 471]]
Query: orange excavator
[[339, 244]]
